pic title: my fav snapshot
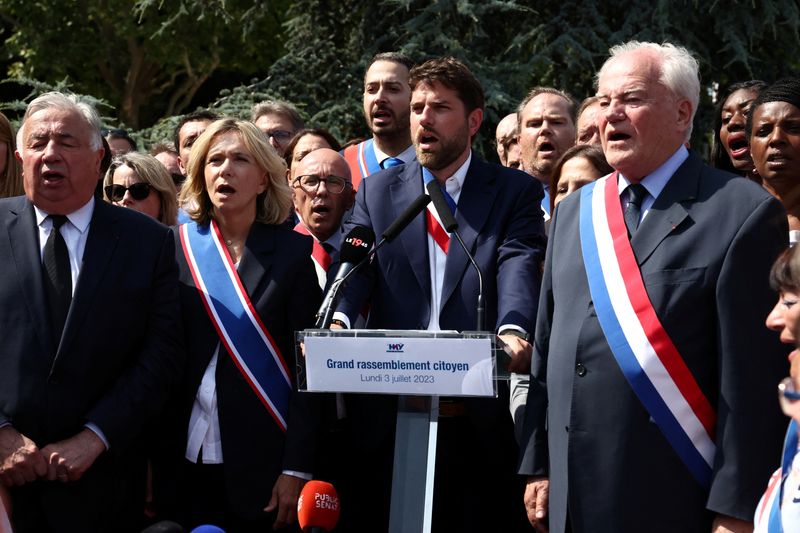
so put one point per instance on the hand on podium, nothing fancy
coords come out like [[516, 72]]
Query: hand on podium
[[520, 352]]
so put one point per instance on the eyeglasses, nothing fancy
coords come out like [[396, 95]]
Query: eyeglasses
[[279, 135], [310, 183], [116, 192]]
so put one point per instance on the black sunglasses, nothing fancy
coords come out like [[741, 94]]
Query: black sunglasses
[[116, 192]]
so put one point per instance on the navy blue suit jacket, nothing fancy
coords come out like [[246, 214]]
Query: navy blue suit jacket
[[501, 224]]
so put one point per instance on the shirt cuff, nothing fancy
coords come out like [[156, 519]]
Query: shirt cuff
[[343, 317], [301, 475], [512, 326], [96, 430]]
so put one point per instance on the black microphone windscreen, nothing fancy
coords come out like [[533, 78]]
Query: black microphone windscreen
[[406, 217], [442, 207], [356, 245]]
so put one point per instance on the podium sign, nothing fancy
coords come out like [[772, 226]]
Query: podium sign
[[400, 363]]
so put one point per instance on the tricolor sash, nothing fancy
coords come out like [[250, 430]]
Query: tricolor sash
[[322, 259], [770, 505], [362, 161], [642, 348], [238, 325], [435, 229]]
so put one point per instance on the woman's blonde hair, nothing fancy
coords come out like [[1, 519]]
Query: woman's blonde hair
[[272, 206], [11, 179], [150, 170]]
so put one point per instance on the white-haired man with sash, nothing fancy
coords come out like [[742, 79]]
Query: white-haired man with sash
[[652, 369]]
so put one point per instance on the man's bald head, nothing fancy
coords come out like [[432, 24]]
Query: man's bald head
[[506, 135], [321, 207], [324, 157]]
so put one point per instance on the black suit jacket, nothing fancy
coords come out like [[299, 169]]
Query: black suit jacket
[[120, 352], [278, 275], [705, 249]]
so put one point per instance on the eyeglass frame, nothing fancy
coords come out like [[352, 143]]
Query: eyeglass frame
[[345, 183], [115, 186], [279, 135]]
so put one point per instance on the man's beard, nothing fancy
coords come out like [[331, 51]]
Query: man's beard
[[399, 127], [448, 151]]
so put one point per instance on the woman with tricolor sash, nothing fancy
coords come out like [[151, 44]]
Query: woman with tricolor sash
[[247, 284], [779, 508]]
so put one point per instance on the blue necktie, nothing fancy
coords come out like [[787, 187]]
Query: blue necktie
[[427, 177], [390, 162]]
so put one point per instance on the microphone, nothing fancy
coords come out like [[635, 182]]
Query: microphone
[[451, 226], [355, 248], [405, 218], [394, 229], [318, 507]]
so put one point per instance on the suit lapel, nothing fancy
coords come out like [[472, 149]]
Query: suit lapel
[[23, 236], [474, 205], [100, 246], [254, 264], [402, 193], [668, 211]]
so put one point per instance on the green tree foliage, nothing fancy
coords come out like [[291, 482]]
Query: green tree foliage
[[148, 58], [313, 52], [513, 46]]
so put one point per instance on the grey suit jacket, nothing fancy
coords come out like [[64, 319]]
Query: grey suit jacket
[[704, 249]]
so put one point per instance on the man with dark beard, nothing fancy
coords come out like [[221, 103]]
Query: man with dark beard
[[420, 281], [386, 97]]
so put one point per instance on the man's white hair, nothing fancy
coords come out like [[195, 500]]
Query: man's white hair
[[680, 71], [57, 100]]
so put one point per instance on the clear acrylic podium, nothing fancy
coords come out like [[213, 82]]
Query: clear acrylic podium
[[417, 366]]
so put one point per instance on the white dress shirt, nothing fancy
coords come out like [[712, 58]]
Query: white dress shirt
[[204, 421], [437, 259]]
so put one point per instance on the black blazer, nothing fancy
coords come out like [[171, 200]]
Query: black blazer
[[704, 250], [278, 275], [120, 352]]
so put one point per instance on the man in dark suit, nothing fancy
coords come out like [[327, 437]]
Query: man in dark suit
[[696, 271], [91, 336], [416, 284]]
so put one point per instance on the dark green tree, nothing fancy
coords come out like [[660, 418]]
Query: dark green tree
[[148, 58]]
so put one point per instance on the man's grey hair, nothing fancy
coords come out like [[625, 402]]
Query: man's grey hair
[[70, 102], [277, 107], [680, 71]]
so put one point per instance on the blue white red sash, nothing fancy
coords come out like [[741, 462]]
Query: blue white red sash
[[432, 223], [237, 323], [642, 348], [769, 507], [362, 161]]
